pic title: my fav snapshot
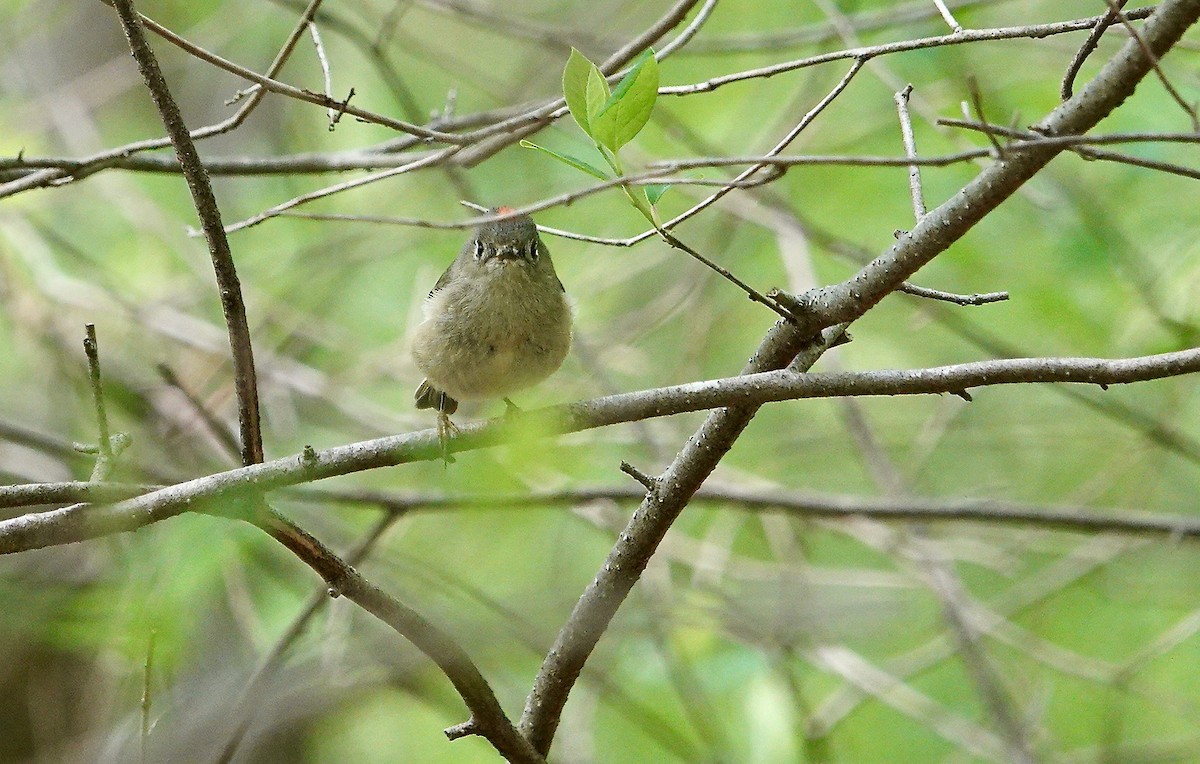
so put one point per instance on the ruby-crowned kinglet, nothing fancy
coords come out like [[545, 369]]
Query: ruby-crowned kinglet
[[496, 322]]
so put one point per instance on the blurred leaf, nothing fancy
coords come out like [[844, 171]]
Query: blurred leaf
[[628, 108], [578, 164]]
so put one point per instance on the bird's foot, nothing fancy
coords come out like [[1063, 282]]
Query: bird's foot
[[446, 429]]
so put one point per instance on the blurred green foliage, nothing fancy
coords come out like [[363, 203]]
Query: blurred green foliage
[[723, 651]]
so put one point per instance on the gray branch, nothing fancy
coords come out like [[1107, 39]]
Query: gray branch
[[735, 394], [836, 304]]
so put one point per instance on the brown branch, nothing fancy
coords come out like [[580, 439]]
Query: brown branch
[[300, 94], [840, 303], [84, 167], [798, 503], [1079, 145], [246, 704], [1093, 39], [998, 181], [867, 52], [736, 394], [232, 305], [487, 717], [225, 437], [1114, 7]]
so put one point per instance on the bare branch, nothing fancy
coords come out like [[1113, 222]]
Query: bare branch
[[958, 299], [84, 167], [803, 504], [1093, 39], [866, 53], [910, 152], [1114, 8], [487, 717], [234, 307], [282, 88], [841, 303], [104, 445], [947, 16], [72, 524]]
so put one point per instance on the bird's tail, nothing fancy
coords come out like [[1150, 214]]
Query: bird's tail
[[429, 397]]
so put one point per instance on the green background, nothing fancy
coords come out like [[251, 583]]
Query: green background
[[749, 629]]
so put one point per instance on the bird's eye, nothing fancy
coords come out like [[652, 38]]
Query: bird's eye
[[479, 249], [533, 251]]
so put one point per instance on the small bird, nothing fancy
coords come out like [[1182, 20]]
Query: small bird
[[496, 322]]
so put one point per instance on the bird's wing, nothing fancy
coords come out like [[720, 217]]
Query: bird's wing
[[441, 282]]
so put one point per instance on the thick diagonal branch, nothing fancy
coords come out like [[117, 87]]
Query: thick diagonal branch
[[840, 303]]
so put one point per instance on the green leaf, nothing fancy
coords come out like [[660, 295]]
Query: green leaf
[[575, 82], [628, 108], [654, 192], [596, 95], [578, 164]]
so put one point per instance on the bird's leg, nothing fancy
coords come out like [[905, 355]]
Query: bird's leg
[[445, 428]]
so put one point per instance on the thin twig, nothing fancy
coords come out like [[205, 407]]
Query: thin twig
[[333, 112], [957, 299], [1077, 144], [147, 686], [750, 291], [230, 289], [1188, 109], [226, 437], [873, 51], [104, 453], [947, 16], [650, 483], [910, 151], [88, 165], [1093, 40], [300, 94], [428, 160], [1126, 521], [977, 105]]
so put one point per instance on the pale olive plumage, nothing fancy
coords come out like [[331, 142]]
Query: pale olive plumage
[[496, 322]]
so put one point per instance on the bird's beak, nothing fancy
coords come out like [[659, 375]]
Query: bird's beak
[[508, 252]]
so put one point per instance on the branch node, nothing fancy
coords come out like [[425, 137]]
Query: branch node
[[651, 483], [340, 111], [793, 304], [963, 394]]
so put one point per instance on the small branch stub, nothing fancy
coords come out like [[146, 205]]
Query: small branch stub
[[466, 729], [651, 483]]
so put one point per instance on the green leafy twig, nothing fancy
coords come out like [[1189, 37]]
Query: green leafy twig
[[612, 118]]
